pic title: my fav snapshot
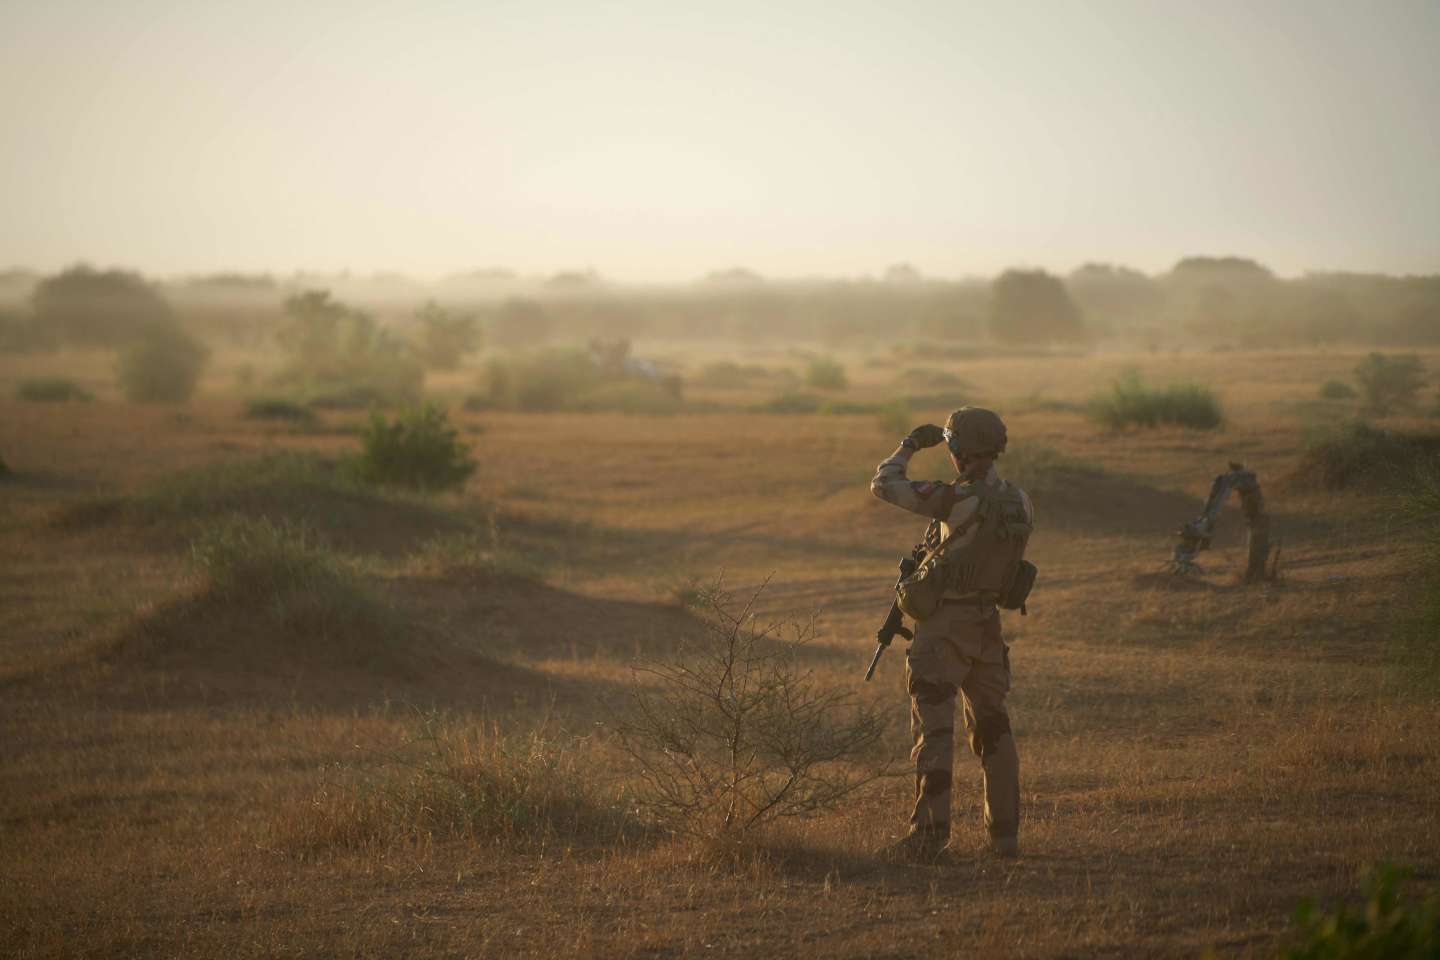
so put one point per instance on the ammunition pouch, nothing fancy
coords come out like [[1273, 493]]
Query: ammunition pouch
[[1020, 587], [919, 595]]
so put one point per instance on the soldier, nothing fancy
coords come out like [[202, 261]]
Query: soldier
[[959, 648]]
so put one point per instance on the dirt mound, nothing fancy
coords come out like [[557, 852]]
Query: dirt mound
[[1076, 498], [529, 620], [461, 640], [304, 491]]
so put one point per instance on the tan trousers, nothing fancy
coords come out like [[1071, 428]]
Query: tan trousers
[[959, 649]]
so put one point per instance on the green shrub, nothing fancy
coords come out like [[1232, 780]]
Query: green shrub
[[417, 449], [1389, 382], [1357, 453], [1131, 403], [277, 408], [823, 373], [1388, 928], [1037, 466], [52, 390], [551, 379], [162, 365], [1336, 390], [283, 577]]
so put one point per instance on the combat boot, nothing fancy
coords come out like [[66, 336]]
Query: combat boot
[[920, 845]]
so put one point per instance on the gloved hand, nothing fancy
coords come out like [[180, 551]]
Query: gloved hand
[[927, 435]]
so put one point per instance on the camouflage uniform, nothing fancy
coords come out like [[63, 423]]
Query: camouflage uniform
[[958, 649]]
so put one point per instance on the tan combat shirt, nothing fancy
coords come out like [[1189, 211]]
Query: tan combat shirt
[[937, 500]]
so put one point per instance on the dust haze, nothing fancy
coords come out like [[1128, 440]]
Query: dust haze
[[436, 457]]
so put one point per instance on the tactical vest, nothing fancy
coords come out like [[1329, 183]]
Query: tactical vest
[[985, 567]]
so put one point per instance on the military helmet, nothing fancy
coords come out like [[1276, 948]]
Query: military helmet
[[975, 431]]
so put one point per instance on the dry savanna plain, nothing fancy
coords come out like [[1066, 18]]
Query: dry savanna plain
[[187, 770]]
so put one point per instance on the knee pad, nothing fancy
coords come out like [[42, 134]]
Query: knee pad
[[989, 728]]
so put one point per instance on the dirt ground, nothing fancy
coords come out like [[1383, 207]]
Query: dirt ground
[[1197, 755]]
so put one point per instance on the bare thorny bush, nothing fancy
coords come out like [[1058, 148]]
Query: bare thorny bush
[[733, 733]]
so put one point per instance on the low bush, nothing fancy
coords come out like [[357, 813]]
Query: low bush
[[1356, 453], [1131, 403], [632, 395], [278, 408], [823, 373], [417, 449], [1336, 390], [479, 786], [569, 379], [792, 403], [52, 390], [731, 734], [727, 374], [1037, 466], [162, 365], [545, 380], [281, 575], [1386, 928], [1388, 383]]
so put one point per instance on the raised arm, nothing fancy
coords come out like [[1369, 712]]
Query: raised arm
[[925, 497]]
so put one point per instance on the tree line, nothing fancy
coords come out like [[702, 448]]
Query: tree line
[[1207, 300]]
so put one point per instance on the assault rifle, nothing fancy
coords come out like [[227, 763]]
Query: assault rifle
[[894, 624]]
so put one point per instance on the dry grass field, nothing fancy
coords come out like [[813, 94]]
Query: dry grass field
[[181, 774]]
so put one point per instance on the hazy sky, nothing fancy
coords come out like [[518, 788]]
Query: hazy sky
[[657, 141]]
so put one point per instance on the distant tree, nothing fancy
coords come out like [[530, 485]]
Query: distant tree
[[1216, 298], [1388, 382], [1214, 312], [1234, 270], [334, 347], [318, 328], [520, 323], [103, 308], [734, 277], [1114, 296], [445, 338], [902, 273], [1030, 306], [574, 280]]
